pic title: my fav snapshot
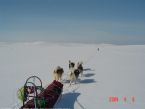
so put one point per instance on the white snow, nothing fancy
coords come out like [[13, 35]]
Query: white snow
[[113, 71]]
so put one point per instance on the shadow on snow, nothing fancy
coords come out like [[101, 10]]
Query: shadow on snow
[[85, 81], [67, 100], [88, 74], [88, 69]]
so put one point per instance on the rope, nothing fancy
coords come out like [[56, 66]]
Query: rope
[[89, 59], [77, 101], [73, 91], [80, 104]]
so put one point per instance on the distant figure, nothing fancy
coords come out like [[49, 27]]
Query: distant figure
[[58, 73], [98, 49]]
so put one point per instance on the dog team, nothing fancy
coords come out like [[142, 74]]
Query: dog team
[[74, 71]]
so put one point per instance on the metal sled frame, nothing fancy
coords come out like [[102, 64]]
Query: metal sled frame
[[35, 87], [46, 98]]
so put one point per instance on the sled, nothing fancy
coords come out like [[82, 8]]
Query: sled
[[37, 97]]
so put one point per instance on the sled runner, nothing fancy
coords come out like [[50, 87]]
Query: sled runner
[[37, 97]]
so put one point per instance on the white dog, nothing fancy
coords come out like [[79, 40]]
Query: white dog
[[73, 76]]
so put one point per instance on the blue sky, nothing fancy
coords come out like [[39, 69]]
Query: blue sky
[[85, 21]]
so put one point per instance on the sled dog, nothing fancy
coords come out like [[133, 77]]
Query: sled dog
[[80, 67], [74, 74], [58, 73], [71, 65]]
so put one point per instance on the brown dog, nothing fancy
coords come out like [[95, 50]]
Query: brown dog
[[58, 73]]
